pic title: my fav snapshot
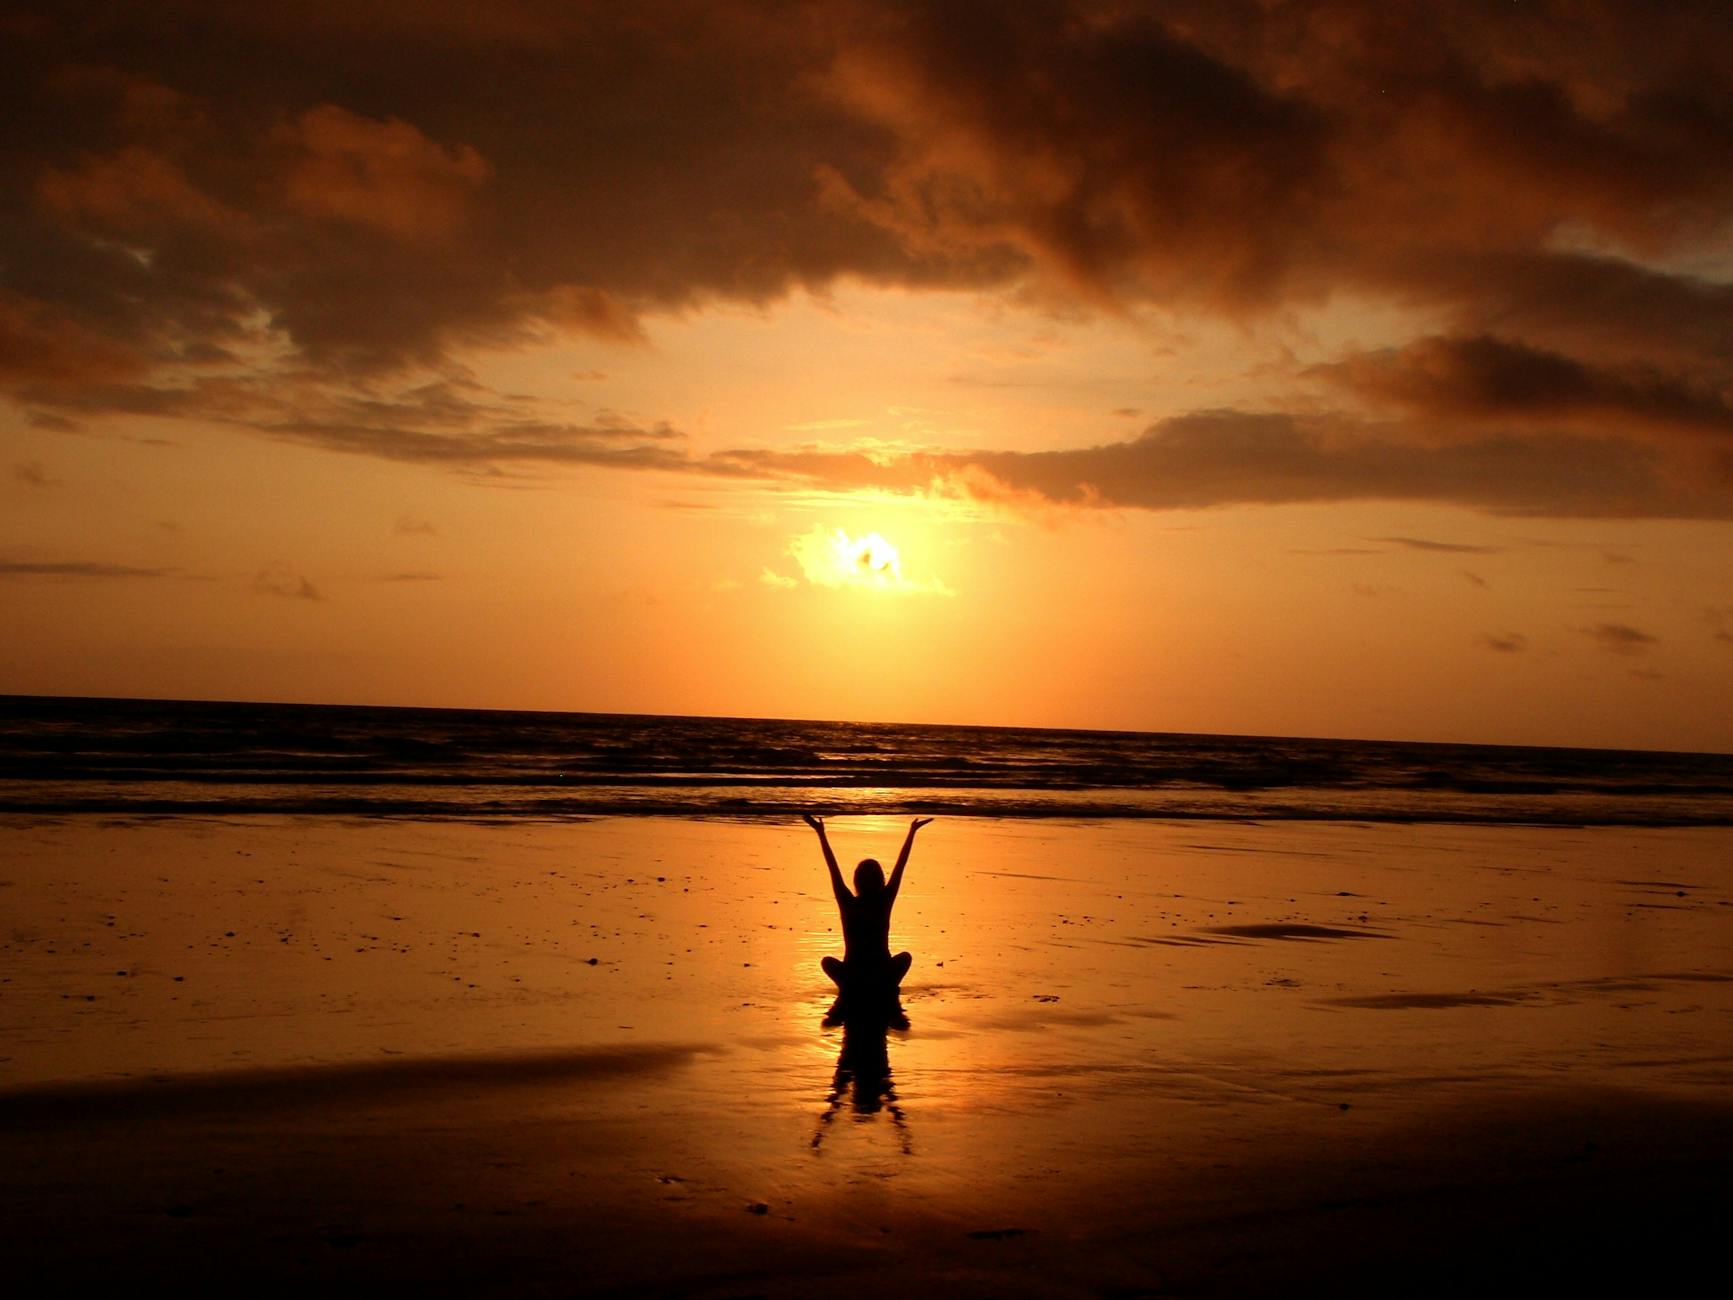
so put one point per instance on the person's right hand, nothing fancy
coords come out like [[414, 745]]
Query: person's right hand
[[817, 823]]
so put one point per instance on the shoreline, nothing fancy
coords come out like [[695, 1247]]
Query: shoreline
[[127, 811]]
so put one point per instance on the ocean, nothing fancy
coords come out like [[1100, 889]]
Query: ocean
[[62, 756]]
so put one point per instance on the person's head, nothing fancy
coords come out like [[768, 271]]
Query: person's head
[[869, 877]]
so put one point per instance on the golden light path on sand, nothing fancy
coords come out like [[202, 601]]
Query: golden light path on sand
[[1369, 950], [1128, 1043]]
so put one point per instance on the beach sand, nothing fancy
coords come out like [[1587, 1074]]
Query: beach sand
[[285, 1055]]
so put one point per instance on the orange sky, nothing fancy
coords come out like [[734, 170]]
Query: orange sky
[[1313, 370]]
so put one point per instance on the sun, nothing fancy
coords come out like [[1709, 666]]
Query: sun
[[869, 560], [830, 557]]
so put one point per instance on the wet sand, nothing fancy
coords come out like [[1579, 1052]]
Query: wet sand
[[1142, 1058]]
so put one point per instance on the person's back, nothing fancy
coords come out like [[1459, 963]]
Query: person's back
[[866, 917]]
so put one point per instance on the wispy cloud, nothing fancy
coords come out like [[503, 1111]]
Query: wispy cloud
[[31, 474], [1620, 638], [79, 569], [1719, 620], [1431, 544], [1505, 643], [447, 420], [277, 579]]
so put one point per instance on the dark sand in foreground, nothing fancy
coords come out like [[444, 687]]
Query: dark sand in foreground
[[1230, 1059]]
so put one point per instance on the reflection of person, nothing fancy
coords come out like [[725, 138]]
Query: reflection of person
[[863, 1079], [867, 965]]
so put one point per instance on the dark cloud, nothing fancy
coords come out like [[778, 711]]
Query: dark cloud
[[383, 186], [1572, 302], [1485, 380], [1237, 458], [1116, 156], [362, 190], [378, 192], [78, 569], [1238, 158], [1620, 638], [1473, 578], [410, 577], [1508, 643], [414, 526], [31, 474]]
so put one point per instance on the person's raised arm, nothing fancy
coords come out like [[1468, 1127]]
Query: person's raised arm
[[896, 881], [836, 885]]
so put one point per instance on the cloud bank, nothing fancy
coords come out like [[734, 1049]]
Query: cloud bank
[[298, 225], [1216, 458]]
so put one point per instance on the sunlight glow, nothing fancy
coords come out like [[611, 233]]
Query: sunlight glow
[[831, 558], [868, 559]]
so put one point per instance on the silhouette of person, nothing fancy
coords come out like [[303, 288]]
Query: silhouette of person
[[867, 971]]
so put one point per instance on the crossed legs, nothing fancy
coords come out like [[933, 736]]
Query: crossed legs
[[894, 971]]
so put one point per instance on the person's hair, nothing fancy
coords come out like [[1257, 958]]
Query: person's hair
[[869, 877]]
